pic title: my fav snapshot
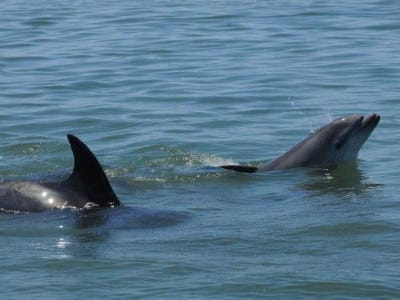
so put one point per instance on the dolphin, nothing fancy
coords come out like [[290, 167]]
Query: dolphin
[[332, 144], [86, 187]]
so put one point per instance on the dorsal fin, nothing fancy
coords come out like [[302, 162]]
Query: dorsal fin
[[89, 174]]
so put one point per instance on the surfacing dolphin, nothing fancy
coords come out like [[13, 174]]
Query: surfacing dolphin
[[329, 146], [86, 187]]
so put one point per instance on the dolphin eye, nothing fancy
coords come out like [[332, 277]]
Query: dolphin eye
[[338, 145]]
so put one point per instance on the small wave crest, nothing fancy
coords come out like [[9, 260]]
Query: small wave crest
[[161, 164]]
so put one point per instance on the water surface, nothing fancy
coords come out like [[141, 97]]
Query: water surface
[[164, 91]]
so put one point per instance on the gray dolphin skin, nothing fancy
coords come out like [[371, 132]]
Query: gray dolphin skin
[[329, 146], [86, 187]]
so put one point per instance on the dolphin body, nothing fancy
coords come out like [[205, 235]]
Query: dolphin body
[[86, 187], [329, 146]]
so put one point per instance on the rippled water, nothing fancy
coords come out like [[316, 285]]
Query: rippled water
[[164, 91]]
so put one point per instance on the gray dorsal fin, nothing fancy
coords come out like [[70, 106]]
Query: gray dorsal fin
[[243, 169], [89, 175]]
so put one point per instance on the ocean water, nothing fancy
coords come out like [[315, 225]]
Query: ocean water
[[165, 91]]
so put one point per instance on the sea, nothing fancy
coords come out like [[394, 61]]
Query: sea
[[164, 92]]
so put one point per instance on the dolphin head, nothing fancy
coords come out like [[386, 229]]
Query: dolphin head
[[340, 140], [336, 142]]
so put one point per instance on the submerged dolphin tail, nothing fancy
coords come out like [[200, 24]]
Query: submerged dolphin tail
[[89, 175], [243, 169]]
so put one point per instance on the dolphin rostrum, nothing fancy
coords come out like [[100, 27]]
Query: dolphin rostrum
[[86, 187], [329, 146]]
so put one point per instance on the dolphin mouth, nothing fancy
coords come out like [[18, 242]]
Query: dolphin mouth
[[370, 121]]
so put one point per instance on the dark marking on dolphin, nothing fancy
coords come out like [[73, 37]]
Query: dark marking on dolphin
[[243, 169], [329, 146], [86, 187]]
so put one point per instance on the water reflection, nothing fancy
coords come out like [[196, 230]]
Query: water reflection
[[126, 217], [91, 231], [62, 243], [345, 180]]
